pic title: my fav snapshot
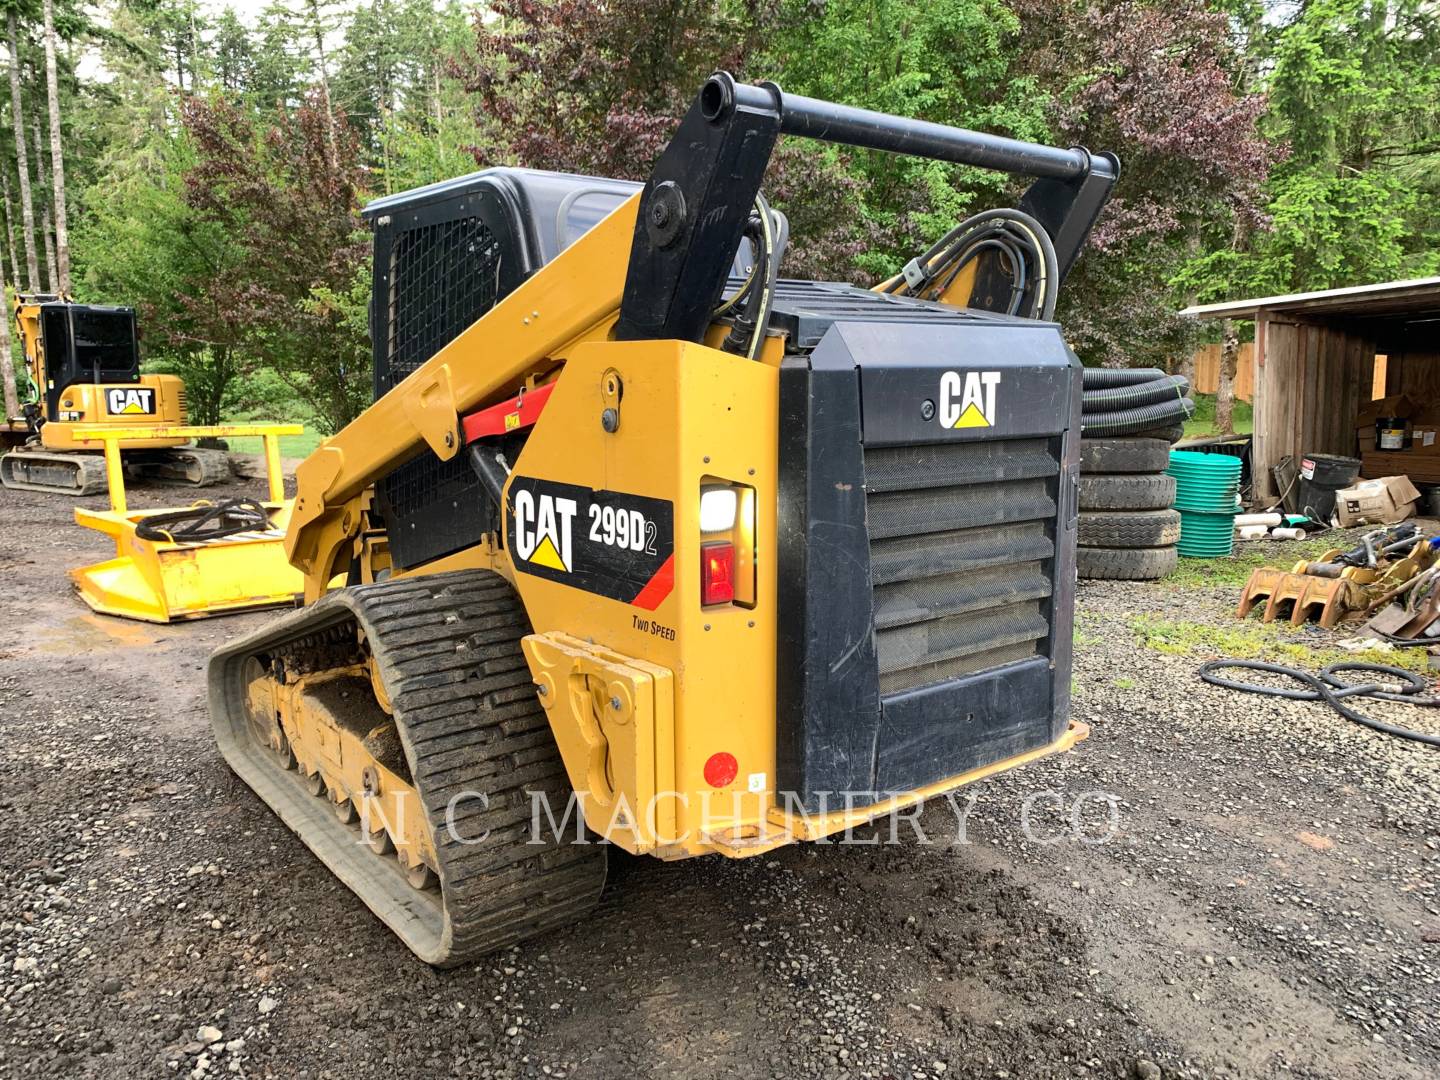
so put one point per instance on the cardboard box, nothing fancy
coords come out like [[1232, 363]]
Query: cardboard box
[[1394, 405], [1376, 502]]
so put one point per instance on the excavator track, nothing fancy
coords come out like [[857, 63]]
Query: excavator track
[[187, 465], [476, 746], [56, 473]]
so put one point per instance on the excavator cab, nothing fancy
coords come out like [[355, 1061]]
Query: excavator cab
[[84, 343]]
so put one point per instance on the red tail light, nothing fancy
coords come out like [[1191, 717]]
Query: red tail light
[[717, 573]]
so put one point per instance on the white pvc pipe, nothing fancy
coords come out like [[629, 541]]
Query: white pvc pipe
[[1288, 534], [1268, 520], [1253, 532]]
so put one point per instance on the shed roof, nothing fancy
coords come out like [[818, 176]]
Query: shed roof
[[1386, 299]]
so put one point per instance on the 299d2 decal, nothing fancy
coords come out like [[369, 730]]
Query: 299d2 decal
[[605, 542]]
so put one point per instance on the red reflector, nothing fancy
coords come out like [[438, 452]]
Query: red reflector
[[721, 770], [717, 573]]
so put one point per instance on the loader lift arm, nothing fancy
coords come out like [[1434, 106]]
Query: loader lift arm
[[654, 269]]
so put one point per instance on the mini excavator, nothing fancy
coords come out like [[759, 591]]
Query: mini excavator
[[84, 362], [646, 544]]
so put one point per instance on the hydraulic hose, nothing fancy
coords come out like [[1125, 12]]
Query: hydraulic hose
[[1141, 418], [204, 522], [1116, 398], [1098, 377], [1332, 690], [1022, 244]]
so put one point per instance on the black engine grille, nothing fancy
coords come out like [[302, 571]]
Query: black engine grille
[[961, 556]]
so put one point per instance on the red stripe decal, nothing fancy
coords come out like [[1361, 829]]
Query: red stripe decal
[[519, 412], [658, 587]]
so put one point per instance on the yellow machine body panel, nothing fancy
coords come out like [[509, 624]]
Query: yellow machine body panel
[[643, 694], [156, 400], [690, 416]]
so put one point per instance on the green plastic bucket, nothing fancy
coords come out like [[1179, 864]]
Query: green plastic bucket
[[1206, 536], [1207, 496]]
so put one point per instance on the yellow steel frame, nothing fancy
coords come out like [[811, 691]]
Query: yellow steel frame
[[160, 581], [323, 743], [113, 437]]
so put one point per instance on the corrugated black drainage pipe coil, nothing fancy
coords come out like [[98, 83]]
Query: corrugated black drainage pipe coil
[[1097, 377], [1115, 398], [1143, 418]]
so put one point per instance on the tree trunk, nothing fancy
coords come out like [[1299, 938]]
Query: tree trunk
[[42, 178], [7, 359], [52, 285], [57, 157], [324, 80], [22, 159], [10, 236], [1186, 367], [1225, 391]]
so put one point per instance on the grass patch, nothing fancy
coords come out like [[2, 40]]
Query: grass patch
[[1202, 424], [1123, 684], [1234, 570], [1250, 640], [291, 446]]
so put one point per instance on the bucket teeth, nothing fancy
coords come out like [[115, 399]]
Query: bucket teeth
[[1327, 598]]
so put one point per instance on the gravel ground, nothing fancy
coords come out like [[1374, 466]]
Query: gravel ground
[[1265, 904]]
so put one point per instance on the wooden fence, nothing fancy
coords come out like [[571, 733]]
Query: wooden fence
[[1207, 371]]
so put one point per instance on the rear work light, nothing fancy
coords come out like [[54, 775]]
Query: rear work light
[[717, 573], [717, 509]]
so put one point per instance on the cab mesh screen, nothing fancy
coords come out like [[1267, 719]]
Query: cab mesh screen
[[443, 276]]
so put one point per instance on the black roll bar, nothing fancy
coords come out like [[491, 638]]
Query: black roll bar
[[695, 204], [849, 126]]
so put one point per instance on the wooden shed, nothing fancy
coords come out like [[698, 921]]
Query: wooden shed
[[1316, 356]]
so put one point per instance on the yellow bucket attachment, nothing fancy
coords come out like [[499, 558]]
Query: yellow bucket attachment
[[1330, 597], [161, 581], [157, 581]]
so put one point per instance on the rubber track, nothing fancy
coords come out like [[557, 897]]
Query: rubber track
[[174, 466], [1129, 528], [449, 655], [89, 472]]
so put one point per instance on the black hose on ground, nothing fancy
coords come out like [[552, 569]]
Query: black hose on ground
[[1329, 688], [1142, 418], [204, 522], [1098, 377], [1115, 398]]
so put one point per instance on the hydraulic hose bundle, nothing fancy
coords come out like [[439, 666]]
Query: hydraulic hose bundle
[[1128, 401], [204, 522], [1026, 254], [1332, 690]]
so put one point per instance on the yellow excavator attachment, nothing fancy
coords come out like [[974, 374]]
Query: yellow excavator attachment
[[1327, 588]]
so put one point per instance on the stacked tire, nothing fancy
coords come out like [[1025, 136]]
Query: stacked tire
[[1128, 529]]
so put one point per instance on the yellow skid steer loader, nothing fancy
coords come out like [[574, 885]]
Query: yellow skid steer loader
[[647, 544]]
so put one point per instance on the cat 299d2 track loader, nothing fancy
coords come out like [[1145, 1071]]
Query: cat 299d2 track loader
[[84, 361], [647, 544]]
